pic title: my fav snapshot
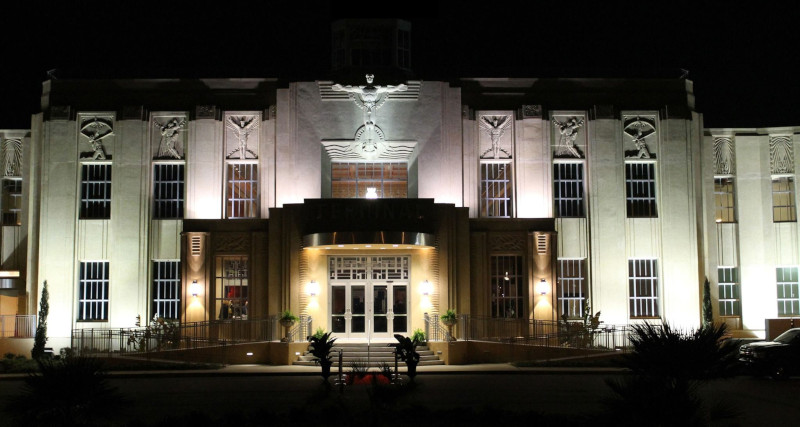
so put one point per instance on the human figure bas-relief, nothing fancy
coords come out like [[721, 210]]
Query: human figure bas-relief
[[569, 133], [369, 138], [96, 130], [639, 130], [242, 127], [170, 144], [495, 126]]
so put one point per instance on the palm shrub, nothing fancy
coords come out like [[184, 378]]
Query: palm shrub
[[320, 347], [406, 349]]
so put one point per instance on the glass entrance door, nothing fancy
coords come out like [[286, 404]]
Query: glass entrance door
[[369, 309]]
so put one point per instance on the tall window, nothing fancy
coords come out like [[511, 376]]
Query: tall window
[[232, 287], [724, 201], [375, 180], [568, 190], [506, 280], [572, 290], [783, 206], [167, 289], [12, 201], [403, 49], [643, 288], [242, 190], [496, 190], [93, 291], [95, 191], [729, 299], [788, 296], [168, 190], [640, 190]]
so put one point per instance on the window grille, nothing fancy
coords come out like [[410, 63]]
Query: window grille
[[728, 287], [352, 180], [783, 205], [389, 268], [12, 201], [643, 288], [788, 296], [95, 191], [496, 190], [167, 289], [242, 191], [93, 291], [568, 190], [724, 200], [640, 186], [168, 190], [572, 290], [506, 279], [232, 290]]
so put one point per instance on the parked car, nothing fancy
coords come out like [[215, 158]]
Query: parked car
[[778, 358]]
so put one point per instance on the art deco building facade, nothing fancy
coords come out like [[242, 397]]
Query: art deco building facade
[[366, 204]]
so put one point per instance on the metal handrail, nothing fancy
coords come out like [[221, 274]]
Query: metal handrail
[[17, 325]]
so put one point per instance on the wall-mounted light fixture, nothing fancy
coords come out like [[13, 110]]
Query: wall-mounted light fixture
[[312, 288], [194, 288], [426, 288], [506, 277], [372, 193], [543, 287]]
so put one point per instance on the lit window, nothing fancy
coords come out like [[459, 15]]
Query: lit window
[[12, 201], [788, 296], [93, 291], [783, 206], [572, 291], [369, 180], [242, 190], [168, 190], [724, 201], [640, 190], [506, 281], [96, 191], [643, 288], [728, 286], [496, 190], [568, 190], [166, 289], [231, 287]]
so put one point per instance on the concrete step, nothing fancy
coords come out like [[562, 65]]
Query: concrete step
[[375, 353]]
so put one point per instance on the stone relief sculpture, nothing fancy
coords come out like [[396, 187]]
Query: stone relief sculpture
[[12, 157], [724, 163], [369, 98], [639, 130], [781, 154], [495, 126], [569, 133], [242, 127], [170, 145], [96, 130]]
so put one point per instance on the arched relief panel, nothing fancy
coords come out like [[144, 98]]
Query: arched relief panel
[[96, 135], [640, 135]]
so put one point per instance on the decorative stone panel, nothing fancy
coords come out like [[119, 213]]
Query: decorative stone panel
[[231, 242], [639, 136], [507, 242], [12, 157], [724, 159], [569, 135], [241, 134], [169, 136], [496, 138], [781, 154], [95, 135]]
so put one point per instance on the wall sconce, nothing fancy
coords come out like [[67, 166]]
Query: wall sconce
[[426, 288], [543, 288], [194, 288], [312, 288]]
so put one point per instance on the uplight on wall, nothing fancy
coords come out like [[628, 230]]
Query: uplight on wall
[[312, 288], [194, 288], [543, 287], [372, 193], [426, 288]]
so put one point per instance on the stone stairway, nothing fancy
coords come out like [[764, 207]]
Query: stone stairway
[[375, 354]]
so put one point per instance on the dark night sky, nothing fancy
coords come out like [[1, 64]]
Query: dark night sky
[[741, 59]]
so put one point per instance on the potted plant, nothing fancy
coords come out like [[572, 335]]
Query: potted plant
[[406, 351], [449, 319], [287, 320], [419, 336], [320, 346]]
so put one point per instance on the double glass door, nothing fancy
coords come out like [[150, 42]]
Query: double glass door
[[369, 309]]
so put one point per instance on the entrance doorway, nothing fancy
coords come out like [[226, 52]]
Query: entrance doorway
[[369, 296]]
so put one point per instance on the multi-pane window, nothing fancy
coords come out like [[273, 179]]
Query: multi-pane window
[[572, 287], [568, 190], [231, 287], [724, 201], [640, 190], [371, 180], [95, 191], [506, 280], [788, 296], [728, 286], [643, 288], [166, 289], [12, 201], [783, 206], [241, 191], [496, 190], [403, 49], [168, 190], [93, 291]]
